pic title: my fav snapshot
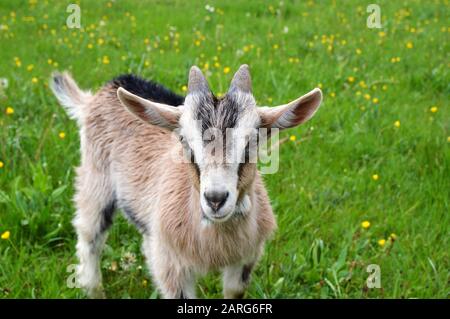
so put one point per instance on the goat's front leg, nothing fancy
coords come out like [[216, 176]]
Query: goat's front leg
[[236, 279], [174, 280]]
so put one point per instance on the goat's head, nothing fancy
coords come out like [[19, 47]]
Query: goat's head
[[217, 134]]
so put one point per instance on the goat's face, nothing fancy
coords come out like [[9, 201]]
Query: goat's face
[[220, 136]]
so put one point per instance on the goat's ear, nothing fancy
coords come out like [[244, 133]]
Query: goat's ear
[[151, 112], [293, 113]]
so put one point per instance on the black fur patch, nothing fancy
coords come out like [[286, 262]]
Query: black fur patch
[[246, 271], [147, 89], [131, 216], [107, 216], [182, 295]]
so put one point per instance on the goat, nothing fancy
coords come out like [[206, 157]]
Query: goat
[[195, 216]]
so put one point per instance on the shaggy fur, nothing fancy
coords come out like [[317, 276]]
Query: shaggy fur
[[126, 164]]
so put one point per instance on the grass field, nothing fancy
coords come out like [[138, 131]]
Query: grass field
[[366, 181]]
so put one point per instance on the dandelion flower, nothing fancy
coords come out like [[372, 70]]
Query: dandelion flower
[[292, 138], [114, 266], [392, 236], [30, 67], [375, 100], [409, 45], [397, 124], [6, 235], [375, 177], [9, 110], [34, 80], [226, 70], [275, 46], [184, 88], [1, 164], [367, 96], [358, 51], [105, 59], [448, 139], [365, 224], [62, 135], [332, 94], [382, 242], [351, 79], [433, 109]]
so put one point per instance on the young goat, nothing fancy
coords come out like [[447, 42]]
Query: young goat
[[195, 216]]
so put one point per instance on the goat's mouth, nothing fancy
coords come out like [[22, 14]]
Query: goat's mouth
[[216, 219]]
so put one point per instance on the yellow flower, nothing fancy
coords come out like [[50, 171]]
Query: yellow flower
[[351, 79], [6, 235], [367, 96], [365, 224], [392, 236], [375, 177], [184, 88], [62, 135], [197, 42], [332, 94], [1, 164], [105, 59], [34, 80], [144, 283], [362, 84], [226, 70], [375, 100], [397, 123], [358, 51], [409, 45], [433, 109], [49, 61], [381, 34], [9, 110], [275, 46], [18, 62], [90, 46], [30, 67], [448, 139], [382, 242], [384, 87], [293, 138]]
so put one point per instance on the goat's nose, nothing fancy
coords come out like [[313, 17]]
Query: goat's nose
[[216, 199]]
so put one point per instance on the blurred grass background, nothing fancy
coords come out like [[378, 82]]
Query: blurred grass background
[[375, 155]]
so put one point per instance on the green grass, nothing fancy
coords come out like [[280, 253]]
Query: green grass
[[324, 188]]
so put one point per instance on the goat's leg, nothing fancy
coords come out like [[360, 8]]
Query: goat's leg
[[95, 208], [236, 279], [174, 280]]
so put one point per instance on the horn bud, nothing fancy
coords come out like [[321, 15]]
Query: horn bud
[[242, 80]]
